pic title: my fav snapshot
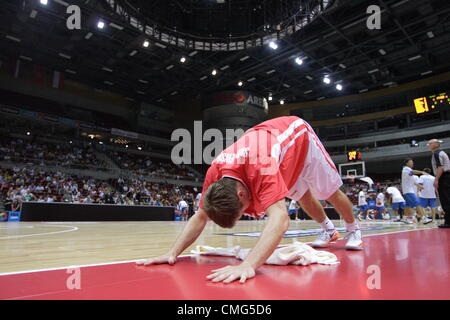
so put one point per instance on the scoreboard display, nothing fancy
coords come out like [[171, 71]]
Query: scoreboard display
[[428, 104], [353, 156]]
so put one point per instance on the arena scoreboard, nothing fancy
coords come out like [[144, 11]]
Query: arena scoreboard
[[428, 104], [353, 156]]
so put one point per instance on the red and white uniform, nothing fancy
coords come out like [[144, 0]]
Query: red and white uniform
[[278, 158]]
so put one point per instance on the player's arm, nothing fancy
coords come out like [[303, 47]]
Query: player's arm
[[419, 186], [439, 172], [418, 172], [390, 199], [277, 225], [190, 233]]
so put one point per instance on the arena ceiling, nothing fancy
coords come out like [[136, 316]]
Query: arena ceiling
[[413, 42]]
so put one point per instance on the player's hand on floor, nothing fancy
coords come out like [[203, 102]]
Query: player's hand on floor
[[231, 273], [166, 258]]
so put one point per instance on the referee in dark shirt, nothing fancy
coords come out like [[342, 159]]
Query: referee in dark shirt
[[441, 168]]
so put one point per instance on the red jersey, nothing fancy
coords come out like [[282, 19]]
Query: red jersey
[[267, 159]]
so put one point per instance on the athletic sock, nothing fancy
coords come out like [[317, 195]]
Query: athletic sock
[[327, 225], [351, 226]]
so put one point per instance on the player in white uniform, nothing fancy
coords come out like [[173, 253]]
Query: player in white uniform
[[396, 199], [416, 183], [417, 188], [380, 205], [427, 196], [183, 208], [408, 189], [197, 201], [362, 204], [293, 209]]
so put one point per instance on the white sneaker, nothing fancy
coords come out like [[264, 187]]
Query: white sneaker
[[354, 240], [325, 238], [426, 220], [368, 218]]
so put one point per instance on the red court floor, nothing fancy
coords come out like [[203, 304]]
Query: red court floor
[[412, 265]]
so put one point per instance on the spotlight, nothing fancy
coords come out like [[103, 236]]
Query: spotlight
[[44, 2], [339, 87], [326, 80], [240, 83], [146, 44], [100, 24], [281, 101], [28, 133], [270, 98], [299, 61], [126, 146], [140, 148], [214, 72], [183, 60], [273, 45]]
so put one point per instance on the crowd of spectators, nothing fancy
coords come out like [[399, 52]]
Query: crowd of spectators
[[27, 184], [38, 153], [145, 165], [139, 191], [31, 153]]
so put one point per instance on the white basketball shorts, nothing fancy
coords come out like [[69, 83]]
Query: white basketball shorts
[[319, 174]]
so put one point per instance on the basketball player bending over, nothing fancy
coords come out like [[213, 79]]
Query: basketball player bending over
[[278, 158]]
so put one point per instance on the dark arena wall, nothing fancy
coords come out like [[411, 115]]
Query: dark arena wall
[[35, 211]]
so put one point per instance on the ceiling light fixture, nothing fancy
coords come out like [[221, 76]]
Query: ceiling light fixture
[[299, 61], [100, 24], [273, 45]]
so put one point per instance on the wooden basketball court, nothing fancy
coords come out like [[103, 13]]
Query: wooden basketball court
[[37, 261]]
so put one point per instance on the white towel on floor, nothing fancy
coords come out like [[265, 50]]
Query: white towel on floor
[[297, 253]]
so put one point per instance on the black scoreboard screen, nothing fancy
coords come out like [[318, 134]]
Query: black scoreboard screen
[[428, 104]]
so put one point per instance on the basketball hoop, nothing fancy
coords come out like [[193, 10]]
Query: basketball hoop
[[350, 178]]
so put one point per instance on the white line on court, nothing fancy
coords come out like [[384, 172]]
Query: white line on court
[[18, 227], [181, 256], [42, 234], [81, 266]]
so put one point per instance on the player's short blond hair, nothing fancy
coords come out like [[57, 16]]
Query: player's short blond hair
[[221, 202]]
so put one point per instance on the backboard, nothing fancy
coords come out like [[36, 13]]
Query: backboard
[[352, 169]]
